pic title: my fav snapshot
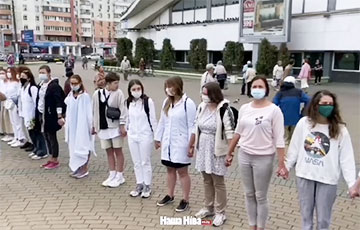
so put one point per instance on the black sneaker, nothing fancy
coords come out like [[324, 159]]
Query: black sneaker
[[166, 200], [26, 145], [183, 206]]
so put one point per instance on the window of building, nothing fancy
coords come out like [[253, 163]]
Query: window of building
[[347, 60], [100, 15], [298, 59], [25, 17], [37, 18], [102, 39], [313, 56], [217, 2], [189, 4], [26, 27], [232, 2], [200, 4], [38, 28], [24, 7], [179, 6], [37, 9], [180, 55], [108, 15]]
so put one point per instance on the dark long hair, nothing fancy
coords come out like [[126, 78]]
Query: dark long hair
[[27, 71], [214, 92], [334, 119], [130, 97], [177, 84]]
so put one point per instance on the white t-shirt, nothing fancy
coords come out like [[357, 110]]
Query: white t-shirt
[[261, 130], [319, 157]]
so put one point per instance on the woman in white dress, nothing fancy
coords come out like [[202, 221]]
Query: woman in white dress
[[5, 124], [78, 128]]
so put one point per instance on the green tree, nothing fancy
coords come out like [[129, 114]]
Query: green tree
[[144, 48], [284, 54], [124, 48], [198, 53], [167, 56], [233, 54], [267, 58]]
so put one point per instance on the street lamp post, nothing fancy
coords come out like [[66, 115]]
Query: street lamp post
[[2, 45], [16, 45]]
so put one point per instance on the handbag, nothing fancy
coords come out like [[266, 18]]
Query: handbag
[[112, 113]]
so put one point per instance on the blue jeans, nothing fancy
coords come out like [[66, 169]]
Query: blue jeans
[[39, 142]]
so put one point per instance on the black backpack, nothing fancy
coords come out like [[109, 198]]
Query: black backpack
[[234, 114], [146, 109]]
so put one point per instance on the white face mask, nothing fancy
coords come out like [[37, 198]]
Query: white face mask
[[75, 88], [136, 94], [169, 92], [9, 75], [205, 98], [2, 76], [43, 77]]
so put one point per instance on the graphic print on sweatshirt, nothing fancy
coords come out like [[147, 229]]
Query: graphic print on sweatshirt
[[317, 145], [258, 120]]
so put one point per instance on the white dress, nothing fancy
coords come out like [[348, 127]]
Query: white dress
[[206, 161]]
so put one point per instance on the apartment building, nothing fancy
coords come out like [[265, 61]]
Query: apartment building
[[90, 27]]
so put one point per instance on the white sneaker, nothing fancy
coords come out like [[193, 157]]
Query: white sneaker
[[204, 212], [17, 144], [7, 138], [146, 192], [106, 182], [116, 182], [31, 155], [13, 141], [36, 157], [219, 219], [137, 191]]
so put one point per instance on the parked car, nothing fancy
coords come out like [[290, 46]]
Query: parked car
[[2, 57], [53, 58], [93, 56]]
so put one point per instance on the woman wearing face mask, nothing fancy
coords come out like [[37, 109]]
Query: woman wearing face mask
[[173, 135], [141, 121], [28, 95], [213, 133], [321, 149], [260, 133], [78, 127], [5, 124], [11, 104]]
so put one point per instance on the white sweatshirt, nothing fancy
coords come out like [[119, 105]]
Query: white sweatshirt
[[319, 157]]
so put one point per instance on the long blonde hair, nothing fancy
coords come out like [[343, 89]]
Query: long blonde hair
[[176, 84]]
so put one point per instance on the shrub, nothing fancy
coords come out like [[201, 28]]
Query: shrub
[[167, 56]]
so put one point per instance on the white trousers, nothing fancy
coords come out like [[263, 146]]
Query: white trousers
[[16, 123], [140, 150]]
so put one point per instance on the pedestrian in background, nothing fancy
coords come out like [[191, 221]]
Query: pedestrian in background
[[85, 62], [278, 72], [125, 67], [141, 123], [305, 75], [99, 79], [288, 69], [321, 149], [78, 128], [318, 72], [259, 134], [289, 99], [214, 129], [109, 119], [249, 76], [172, 136], [10, 60], [221, 74], [54, 112], [142, 66], [101, 61], [208, 76]]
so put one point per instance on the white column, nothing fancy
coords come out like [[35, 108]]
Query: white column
[[50, 49], [79, 52], [74, 50], [255, 54], [61, 50], [67, 50]]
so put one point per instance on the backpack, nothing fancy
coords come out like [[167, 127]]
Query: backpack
[[30, 94], [234, 114], [146, 109]]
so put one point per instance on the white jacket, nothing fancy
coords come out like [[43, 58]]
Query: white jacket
[[278, 72], [221, 139], [205, 78], [28, 104], [174, 130], [319, 157]]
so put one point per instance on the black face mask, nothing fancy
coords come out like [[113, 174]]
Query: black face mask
[[23, 81]]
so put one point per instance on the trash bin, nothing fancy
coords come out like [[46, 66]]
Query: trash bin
[[233, 79]]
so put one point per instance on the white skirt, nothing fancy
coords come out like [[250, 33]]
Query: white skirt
[[304, 83]]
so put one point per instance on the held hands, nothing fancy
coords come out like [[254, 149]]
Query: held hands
[[93, 132], [191, 151], [354, 191], [228, 159], [282, 171], [157, 144], [61, 121], [122, 131]]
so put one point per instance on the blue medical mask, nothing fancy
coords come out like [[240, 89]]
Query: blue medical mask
[[257, 93]]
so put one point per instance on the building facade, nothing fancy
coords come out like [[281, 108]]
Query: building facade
[[321, 29], [89, 27]]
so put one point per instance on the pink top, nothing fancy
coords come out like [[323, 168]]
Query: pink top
[[261, 130], [305, 71]]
